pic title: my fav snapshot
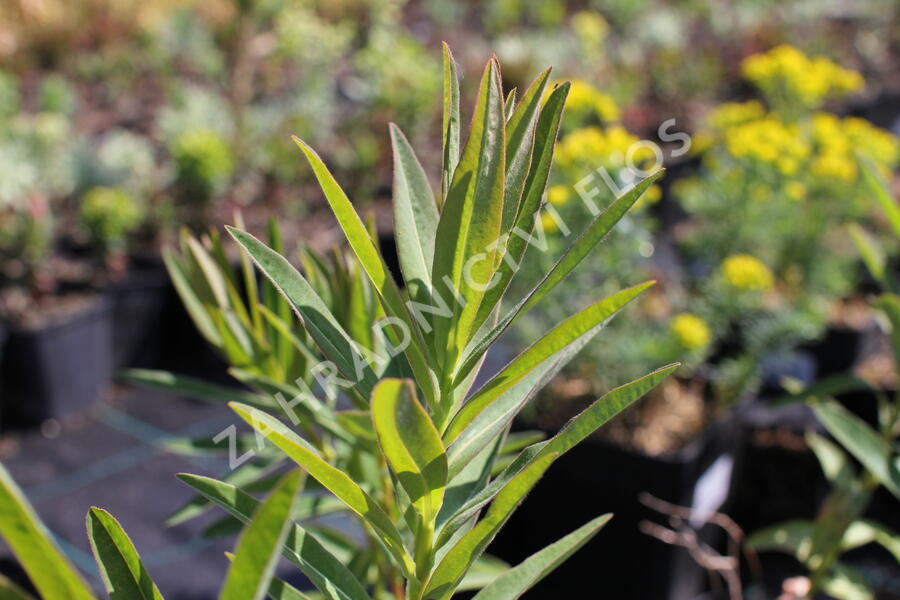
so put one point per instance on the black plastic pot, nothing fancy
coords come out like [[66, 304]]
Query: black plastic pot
[[597, 477], [59, 369], [140, 311]]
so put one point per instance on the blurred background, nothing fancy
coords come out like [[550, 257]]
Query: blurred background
[[128, 127]]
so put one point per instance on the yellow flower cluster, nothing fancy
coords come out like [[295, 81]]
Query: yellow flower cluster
[[745, 272], [585, 102], [770, 141], [596, 147], [838, 140], [811, 80], [730, 114], [690, 331]]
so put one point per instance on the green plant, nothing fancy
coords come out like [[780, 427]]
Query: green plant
[[840, 526], [767, 259], [110, 215], [407, 452], [203, 164]]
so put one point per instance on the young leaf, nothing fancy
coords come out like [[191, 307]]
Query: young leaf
[[415, 218], [460, 557], [450, 123], [469, 227], [335, 480], [11, 591], [579, 249], [532, 195], [124, 576], [567, 332], [520, 578], [519, 147], [31, 543], [328, 574], [259, 545], [411, 445]]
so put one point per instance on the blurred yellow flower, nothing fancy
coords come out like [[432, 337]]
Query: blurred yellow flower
[[548, 223], [745, 272], [690, 331], [795, 190], [730, 114], [786, 71], [585, 101], [559, 195], [768, 140]]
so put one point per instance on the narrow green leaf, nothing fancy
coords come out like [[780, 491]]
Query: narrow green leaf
[[469, 227], [11, 591], [260, 544], [450, 124], [567, 332], [576, 430], [519, 579], [193, 387], [791, 537], [192, 303], [848, 583], [411, 444], [415, 218], [460, 557], [282, 590], [31, 543], [372, 263], [865, 532], [328, 574], [519, 147], [124, 575], [861, 441], [335, 480], [483, 572], [516, 244], [579, 249], [869, 251], [882, 195], [331, 338], [832, 459]]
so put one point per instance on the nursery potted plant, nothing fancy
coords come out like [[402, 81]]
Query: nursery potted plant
[[57, 359]]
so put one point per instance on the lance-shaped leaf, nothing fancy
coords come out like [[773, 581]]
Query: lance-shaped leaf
[[861, 441], [580, 248], [450, 123], [192, 387], [519, 148], [46, 566], [327, 573], [260, 544], [532, 195], [459, 558], [523, 576], [123, 573], [469, 227], [880, 190], [370, 260], [11, 591], [497, 415], [415, 218], [576, 430], [331, 338], [567, 332], [333, 479], [411, 444], [192, 303]]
